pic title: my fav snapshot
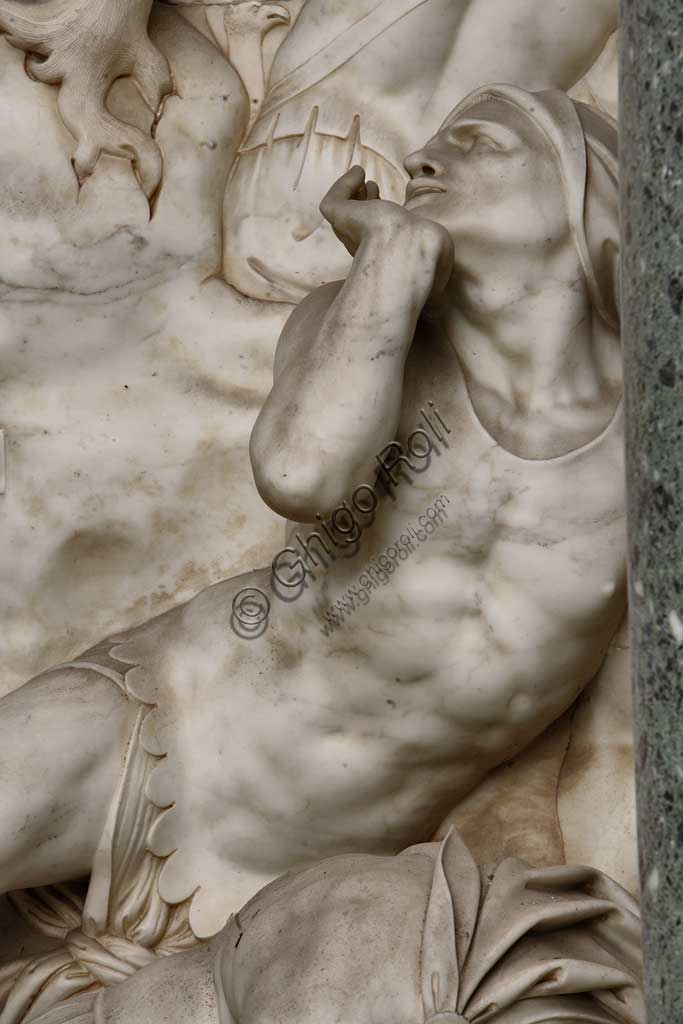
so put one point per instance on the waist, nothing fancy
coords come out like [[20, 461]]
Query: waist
[[462, 663]]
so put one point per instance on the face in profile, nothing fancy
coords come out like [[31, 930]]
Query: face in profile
[[491, 178]]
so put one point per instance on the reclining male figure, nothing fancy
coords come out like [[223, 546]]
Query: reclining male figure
[[185, 765]]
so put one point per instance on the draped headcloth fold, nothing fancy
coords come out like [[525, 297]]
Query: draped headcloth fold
[[539, 946], [585, 143]]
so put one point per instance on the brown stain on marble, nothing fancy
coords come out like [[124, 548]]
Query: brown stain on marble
[[212, 471]]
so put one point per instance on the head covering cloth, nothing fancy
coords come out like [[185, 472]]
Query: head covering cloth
[[585, 143], [535, 946]]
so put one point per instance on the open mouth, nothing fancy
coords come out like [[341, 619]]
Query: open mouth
[[277, 13]]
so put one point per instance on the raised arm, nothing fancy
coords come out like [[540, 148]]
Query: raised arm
[[339, 366], [537, 44]]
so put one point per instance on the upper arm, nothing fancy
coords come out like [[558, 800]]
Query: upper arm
[[63, 737], [536, 44], [304, 321]]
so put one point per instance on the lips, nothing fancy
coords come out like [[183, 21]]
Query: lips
[[416, 188]]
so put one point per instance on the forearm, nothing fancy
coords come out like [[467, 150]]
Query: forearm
[[337, 401]]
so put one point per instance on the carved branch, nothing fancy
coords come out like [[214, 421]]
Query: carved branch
[[83, 46]]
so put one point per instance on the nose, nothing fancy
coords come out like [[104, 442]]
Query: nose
[[422, 164]]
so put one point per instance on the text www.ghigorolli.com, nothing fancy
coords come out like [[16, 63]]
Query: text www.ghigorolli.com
[[378, 572]]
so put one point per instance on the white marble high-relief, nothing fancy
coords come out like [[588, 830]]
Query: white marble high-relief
[[421, 938], [132, 373], [128, 395], [414, 58], [434, 639]]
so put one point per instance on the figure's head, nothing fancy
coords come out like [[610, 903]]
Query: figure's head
[[513, 174], [417, 939]]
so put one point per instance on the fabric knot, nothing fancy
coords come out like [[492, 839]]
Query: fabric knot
[[107, 958]]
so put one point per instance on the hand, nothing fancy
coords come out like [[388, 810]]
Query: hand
[[354, 209], [357, 214]]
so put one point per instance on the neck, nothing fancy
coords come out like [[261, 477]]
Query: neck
[[245, 53], [242, 44], [542, 378]]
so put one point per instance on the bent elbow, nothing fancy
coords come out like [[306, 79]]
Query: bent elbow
[[295, 490]]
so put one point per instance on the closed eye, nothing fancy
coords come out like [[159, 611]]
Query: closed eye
[[488, 141], [468, 139]]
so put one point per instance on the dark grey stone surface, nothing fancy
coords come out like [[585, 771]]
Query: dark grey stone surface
[[652, 311]]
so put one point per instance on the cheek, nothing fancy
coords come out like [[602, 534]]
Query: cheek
[[541, 191], [510, 200], [480, 201], [487, 183]]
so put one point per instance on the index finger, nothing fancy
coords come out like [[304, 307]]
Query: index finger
[[345, 187]]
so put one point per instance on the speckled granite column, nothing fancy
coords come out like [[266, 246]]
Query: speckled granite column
[[652, 195]]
